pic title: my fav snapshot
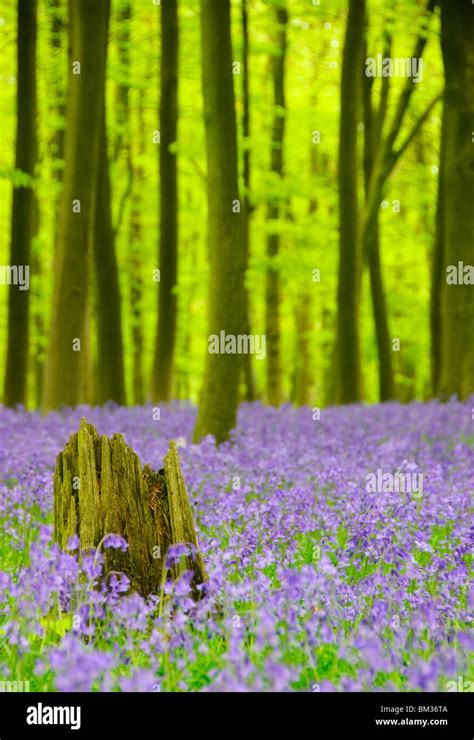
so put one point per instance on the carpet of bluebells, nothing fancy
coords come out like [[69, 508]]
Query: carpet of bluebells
[[315, 584]]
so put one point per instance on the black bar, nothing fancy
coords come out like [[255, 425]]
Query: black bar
[[404, 715]]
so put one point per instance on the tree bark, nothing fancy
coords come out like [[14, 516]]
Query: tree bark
[[248, 366], [349, 271], [303, 333], [67, 370], [272, 295], [100, 488], [457, 301], [23, 208], [167, 305], [372, 134], [110, 367], [437, 275], [219, 398], [57, 30], [122, 107]]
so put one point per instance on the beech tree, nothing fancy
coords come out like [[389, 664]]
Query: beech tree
[[456, 372], [219, 396], [23, 208], [272, 296], [110, 370], [167, 306], [66, 377], [349, 274]]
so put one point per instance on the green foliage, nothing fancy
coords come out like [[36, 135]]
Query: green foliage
[[309, 235]]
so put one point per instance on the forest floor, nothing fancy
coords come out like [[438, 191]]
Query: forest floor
[[329, 576]]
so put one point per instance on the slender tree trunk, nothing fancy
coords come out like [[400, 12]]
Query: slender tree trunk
[[219, 397], [110, 369], [330, 373], [167, 307], [122, 93], [437, 275], [23, 208], [136, 293], [136, 259], [272, 297], [303, 332], [371, 248], [248, 368], [303, 324], [56, 92], [133, 189], [57, 31], [457, 300], [67, 368], [349, 274], [382, 335]]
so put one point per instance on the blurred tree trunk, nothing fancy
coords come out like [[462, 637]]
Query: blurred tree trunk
[[136, 293], [133, 189], [124, 14], [136, 257], [349, 273], [110, 369], [248, 366], [303, 333], [23, 208], [57, 99], [162, 379], [58, 31], [67, 368], [437, 275], [330, 372], [272, 297], [357, 230], [457, 223], [373, 124], [302, 382], [219, 396]]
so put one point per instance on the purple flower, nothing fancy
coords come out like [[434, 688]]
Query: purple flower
[[116, 542], [176, 552], [73, 542]]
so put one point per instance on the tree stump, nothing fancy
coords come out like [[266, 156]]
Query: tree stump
[[100, 488]]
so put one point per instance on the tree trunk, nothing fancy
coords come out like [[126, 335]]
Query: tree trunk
[[166, 333], [23, 207], [110, 369], [349, 273], [59, 107], [303, 333], [272, 296], [100, 488], [457, 300], [219, 397], [122, 140], [248, 365], [437, 274], [382, 334], [135, 256], [371, 247], [67, 368]]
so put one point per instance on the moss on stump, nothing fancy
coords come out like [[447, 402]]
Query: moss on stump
[[101, 488]]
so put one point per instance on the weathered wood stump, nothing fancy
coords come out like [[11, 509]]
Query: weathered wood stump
[[100, 488]]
